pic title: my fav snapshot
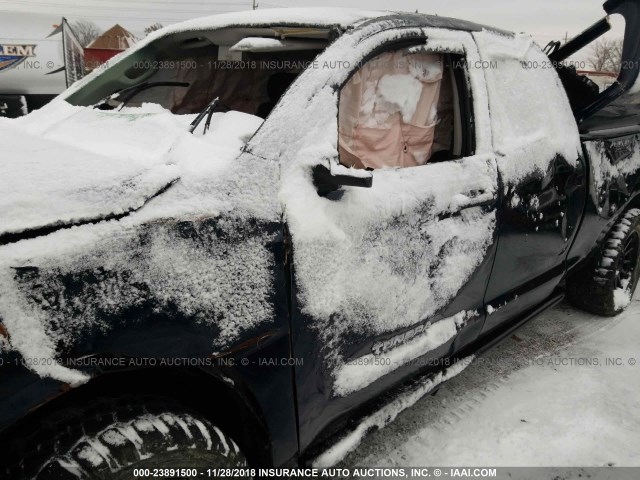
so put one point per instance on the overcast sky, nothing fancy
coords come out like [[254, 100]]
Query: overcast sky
[[545, 19]]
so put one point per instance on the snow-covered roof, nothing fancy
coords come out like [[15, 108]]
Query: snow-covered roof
[[116, 38], [312, 16]]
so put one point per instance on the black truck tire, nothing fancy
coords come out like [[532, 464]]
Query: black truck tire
[[606, 286], [121, 441]]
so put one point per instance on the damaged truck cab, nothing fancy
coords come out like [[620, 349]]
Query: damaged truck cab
[[257, 236]]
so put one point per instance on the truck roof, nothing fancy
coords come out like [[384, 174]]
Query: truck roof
[[307, 17], [320, 18]]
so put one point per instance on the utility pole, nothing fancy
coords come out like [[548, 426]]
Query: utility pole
[[255, 5]]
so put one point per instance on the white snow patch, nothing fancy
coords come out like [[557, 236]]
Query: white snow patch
[[385, 415], [223, 441], [182, 422], [524, 133], [363, 371], [261, 44], [231, 129], [114, 438], [205, 432], [25, 325], [103, 451], [47, 180], [604, 171], [143, 425], [228, 381], [339, 169], [168, 418], [159, 425], [71, 466], [621, 298], [91, 455], [141, 135], [130, 434], [400, 91], [44, 182]]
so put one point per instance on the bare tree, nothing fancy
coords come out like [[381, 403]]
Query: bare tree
[[606, 55], [153, 28], [86, 31], [617, 55]]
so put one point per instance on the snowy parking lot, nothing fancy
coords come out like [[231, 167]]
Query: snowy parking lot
[[562, 391]]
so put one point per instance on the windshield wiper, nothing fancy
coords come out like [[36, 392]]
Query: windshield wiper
[[207, 112], [133, 91]]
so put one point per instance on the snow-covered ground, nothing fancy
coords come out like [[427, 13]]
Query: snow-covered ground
[[528, 403]]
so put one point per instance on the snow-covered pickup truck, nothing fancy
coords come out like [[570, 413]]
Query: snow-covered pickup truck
[[255, 237]]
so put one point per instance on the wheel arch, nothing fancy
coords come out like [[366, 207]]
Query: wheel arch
[[635, 200], [226, 402]]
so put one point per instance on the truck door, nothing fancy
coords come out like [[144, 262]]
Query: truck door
[[388, 279], [542, 173]]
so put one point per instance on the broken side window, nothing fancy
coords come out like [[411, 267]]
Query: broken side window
[[397, 110]]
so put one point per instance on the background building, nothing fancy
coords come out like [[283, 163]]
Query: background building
[[107, 45]]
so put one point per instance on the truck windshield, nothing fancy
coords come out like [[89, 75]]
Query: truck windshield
[[247, 72]]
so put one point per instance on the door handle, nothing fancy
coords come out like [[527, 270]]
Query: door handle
[[485, 203]]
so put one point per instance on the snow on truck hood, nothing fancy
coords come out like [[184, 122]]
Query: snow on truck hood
[[70, 163], [65, 165]]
